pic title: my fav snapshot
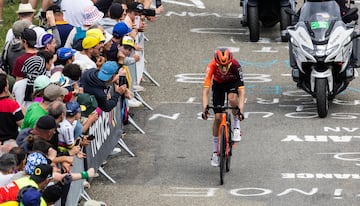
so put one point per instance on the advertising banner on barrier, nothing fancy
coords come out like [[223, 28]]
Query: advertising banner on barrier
[[107, 131]]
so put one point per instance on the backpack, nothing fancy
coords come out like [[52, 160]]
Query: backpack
[[3, 61], [78, 37]]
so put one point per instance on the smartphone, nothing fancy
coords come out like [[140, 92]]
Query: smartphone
[[158, 3], [77, 142], [122, 80], [90, 137], [137, 22]]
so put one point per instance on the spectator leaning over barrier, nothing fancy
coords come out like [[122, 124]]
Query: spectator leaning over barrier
[[92, 45], [39, 180], [62, 25], [96, 82], [120, 29], [45, 128], [13, 48], [11, 115]]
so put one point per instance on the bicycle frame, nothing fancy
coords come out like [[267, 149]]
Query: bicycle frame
[[225, 123]]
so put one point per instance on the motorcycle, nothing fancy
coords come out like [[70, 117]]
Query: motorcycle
[[321, 51], [269, 13]]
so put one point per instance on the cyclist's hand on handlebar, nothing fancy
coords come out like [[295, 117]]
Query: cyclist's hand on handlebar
[[205, 115]]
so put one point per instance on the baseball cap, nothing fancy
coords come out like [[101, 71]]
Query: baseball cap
[[52, 92], [46, 122], [33, 160], [120, 29], [128, 41], [19, 26], [25, 8], [92, 15], [41, 82], [65, 53], [95, 32], [107, 70], [44, 39], [59, 79], [29, 35], [90, 42], [72, 108], [30, 197], [87, 103], [42, 172]]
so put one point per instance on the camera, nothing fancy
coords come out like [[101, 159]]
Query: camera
[[122, 80], [43, 15]]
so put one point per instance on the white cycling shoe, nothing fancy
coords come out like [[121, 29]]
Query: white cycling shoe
[[237, 135], [215, 160]]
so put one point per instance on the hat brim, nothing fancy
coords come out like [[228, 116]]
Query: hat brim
[[25, 11]]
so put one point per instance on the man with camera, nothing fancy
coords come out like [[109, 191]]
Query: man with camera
[[98, 82]]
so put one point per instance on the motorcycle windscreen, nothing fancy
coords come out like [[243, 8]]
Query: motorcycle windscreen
[[318, 16]]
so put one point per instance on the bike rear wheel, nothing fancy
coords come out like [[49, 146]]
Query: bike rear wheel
[[222, 155]]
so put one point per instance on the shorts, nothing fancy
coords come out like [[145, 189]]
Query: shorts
[[220, 89]]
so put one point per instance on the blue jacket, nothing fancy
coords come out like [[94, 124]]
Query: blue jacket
[[94, 86]]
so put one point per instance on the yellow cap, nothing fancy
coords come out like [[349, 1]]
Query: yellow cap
[[128, 41], [96, 33], [90, 42]]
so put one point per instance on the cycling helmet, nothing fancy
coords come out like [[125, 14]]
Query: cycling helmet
[[223, 56]]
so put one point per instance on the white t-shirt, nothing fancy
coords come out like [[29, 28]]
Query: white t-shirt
[[39, 30], [88, 63], [5, 179], [66, 133], [19, 92], [73, 11]]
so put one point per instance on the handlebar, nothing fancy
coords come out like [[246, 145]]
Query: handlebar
[[238, 112]]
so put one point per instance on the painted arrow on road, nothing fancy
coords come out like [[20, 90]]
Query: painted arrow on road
[[173, 117]]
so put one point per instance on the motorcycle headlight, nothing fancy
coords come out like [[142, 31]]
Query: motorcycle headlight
[[332, 49], [320, 50]]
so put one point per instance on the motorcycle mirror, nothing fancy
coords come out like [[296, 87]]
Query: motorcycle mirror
[[352, 11], [290, 11]]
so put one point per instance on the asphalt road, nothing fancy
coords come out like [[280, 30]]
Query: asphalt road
[[288, 155]]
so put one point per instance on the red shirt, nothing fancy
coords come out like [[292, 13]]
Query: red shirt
[[19, 62], [213, 72]]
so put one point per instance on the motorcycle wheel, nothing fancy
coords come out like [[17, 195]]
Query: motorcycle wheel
[[285, 21], [253, 23], [322, 101]]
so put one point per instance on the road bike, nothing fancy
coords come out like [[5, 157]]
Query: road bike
[[225, 142]]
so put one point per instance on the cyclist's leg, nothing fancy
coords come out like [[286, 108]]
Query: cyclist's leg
[[234, 101], [218, 98]]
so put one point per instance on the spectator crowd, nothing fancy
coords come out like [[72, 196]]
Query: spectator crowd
[[62, 66]]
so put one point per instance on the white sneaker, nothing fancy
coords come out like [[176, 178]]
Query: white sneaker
[[134, 103], [237, 135], [215, 160], [138, 88], [115, 151]]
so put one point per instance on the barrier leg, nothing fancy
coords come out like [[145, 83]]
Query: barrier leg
[[102, 171], [138, 97], [150, 77], [85, 195], [125, 147], [146, 39], [135, 125]]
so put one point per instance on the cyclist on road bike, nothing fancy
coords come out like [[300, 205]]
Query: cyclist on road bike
[[226, 76]]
